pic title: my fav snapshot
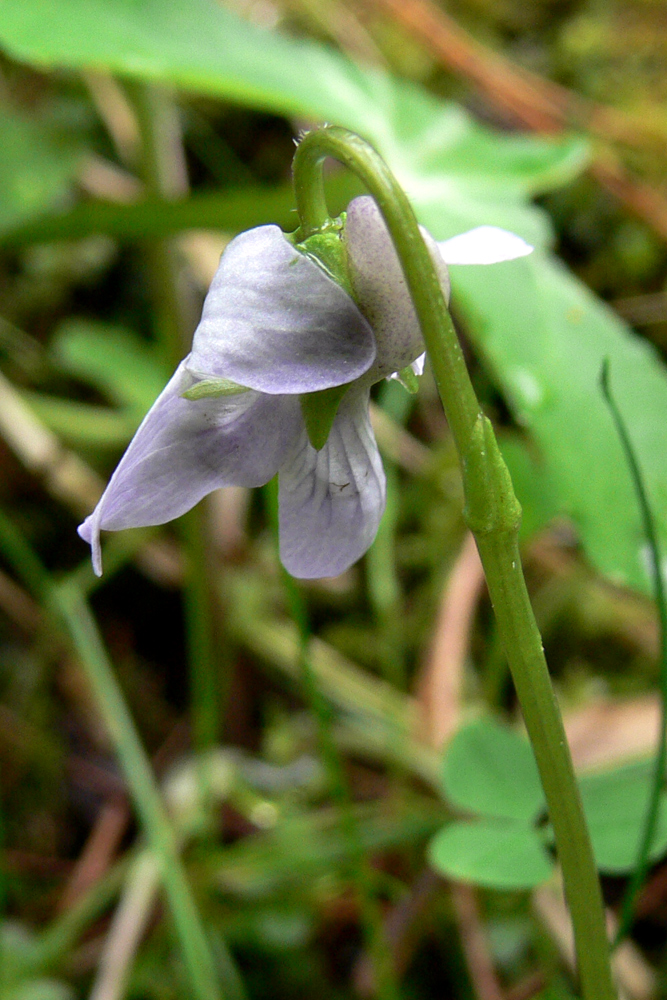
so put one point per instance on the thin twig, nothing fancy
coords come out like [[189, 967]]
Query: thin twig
[[127, 928], [18, 605], [540, 104], [474, 943], [399, 445], [116, 112], [403, 931], [98, 853]]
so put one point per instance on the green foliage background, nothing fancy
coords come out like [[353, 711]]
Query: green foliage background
[[80, 348]]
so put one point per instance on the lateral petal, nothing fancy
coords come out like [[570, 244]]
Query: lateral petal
[[484, 245], [331, 501], [184, 449], [273, 320]]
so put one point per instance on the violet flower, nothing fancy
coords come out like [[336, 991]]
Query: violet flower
[[276, 325]]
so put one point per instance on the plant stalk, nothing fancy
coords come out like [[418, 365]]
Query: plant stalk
[[493, 515]]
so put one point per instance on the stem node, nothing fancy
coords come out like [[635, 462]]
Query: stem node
[[490, 503]]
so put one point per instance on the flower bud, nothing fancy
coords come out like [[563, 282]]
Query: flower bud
[[381, 290]]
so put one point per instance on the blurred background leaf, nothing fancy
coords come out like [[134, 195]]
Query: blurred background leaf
[[272, 863]]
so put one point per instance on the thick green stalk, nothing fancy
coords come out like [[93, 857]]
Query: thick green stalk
[[493, 514]]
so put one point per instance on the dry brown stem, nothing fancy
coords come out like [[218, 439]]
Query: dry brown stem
[[99, 851], [402, 931], [18, 605], [474, 944]]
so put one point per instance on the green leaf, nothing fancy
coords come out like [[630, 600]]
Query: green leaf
[[195, 44], [491, 853], [535, 487], [439, 154], [545, 337], [36, 167], [615, 803], [490, 770], [83, 425], [120, 364], [430, 154], [305, 846], [232, 210], [543, 334], [41, 989]]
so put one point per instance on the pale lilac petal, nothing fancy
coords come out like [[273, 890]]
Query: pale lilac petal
[[331, 500], [484, 245], [380, 288], [274, 321], [184, 449]]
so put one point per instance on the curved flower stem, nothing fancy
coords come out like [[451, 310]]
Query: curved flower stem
[[493, 514]]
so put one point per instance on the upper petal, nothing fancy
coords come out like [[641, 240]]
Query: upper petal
[[274, 321], [379, 284], [484, 245], [331, 501], [186, 448]]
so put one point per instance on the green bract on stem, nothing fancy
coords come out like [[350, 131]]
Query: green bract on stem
[[493, 514]]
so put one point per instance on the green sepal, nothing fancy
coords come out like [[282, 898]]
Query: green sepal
[[326, 249], [319, 411], [211, 388], [408, 379]]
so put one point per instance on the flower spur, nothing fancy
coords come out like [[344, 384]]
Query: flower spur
[[275, 328]]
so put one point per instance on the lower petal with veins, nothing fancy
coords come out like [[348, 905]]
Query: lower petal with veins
[[331, 501]]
